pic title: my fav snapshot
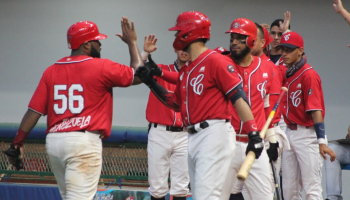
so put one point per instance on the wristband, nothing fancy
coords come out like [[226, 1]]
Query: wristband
[[320, 133], [20, 137], [250, 126], [144, 55]]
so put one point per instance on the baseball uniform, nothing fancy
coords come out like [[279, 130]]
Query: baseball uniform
[[302, 164], [167, 145], [76, 95], [205, 109], [257, 79]]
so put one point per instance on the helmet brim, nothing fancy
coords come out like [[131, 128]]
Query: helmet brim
[[237, 31], [101, 37], [175, 28]]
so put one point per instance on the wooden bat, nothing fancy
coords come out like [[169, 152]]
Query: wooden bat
[[249, 160]]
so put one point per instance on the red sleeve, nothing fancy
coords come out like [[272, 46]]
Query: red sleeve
[[117, 75], [225, 76], [177, 94], [313, 94], [171, 77], [39, 100]]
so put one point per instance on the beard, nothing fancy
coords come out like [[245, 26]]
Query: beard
[[239, 56], [94, 53]]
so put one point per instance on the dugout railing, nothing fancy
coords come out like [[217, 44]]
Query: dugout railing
[[124, 157]]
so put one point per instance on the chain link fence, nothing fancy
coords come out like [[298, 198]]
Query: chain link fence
[[121, 162]]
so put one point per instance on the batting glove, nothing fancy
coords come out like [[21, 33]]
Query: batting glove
[[13, 155], [155, 70], [272, 152], [255, 144], [145, 75]]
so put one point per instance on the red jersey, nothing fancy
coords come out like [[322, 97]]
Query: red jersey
[[304, 95], [257, 78], [76, 93], [274, 90], [203, 86], [156, 111]]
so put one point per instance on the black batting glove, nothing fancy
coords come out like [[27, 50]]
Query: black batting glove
[[255, 144], [155, 69], [14, 158], [145, 75], [272, 152]]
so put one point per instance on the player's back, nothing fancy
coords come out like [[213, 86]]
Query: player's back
[[76, 93]]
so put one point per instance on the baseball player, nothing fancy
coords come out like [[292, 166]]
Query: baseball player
[[208, 85], [257, 78], [76, 95], [303, 111], [281, 138], [167, 140]]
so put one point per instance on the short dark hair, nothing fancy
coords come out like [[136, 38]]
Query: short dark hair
[[261, 30], [277, 23]]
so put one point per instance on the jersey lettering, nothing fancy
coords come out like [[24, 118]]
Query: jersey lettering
[[262, 88], [70, 100], [295, 96], [197, 85]]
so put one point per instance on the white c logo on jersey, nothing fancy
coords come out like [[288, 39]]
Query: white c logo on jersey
[[197, 85], [295, 98], [262, 88]]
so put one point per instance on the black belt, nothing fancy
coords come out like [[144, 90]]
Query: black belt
[[202, 125], [171, 128]]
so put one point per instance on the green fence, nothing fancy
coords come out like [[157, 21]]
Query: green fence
[[124, 162]]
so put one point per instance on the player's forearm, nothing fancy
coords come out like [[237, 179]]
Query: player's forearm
[[135, 57], [243, 110], [317, 116], [29, 120], [346, 15]]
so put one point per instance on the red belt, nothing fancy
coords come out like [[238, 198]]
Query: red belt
[[295, 126]]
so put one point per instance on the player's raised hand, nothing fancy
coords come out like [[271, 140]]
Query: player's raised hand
[[265, 26], [128, 31], [325, 150], [338, 6], [285, 25], [149, 45]]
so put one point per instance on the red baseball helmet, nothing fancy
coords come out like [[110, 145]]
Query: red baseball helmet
[[267, 37], [82, 32], [191, 25], [244, 27]]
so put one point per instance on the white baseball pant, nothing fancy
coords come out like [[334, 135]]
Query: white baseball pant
[[302, 165], [76, 161], [258, 185], [210, 155], [167, 152]]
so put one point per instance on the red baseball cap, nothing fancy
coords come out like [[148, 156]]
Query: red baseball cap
[[221, 50], [292, 40]]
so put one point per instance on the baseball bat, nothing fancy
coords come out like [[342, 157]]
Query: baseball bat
[[278, 192], [249, 160]]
